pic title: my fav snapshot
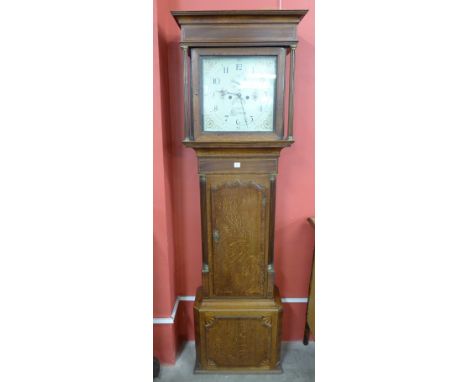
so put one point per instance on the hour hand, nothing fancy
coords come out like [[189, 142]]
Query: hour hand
[[236, 94], [224, 92], [239, 95]]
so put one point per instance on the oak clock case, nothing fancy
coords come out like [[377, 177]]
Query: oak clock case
[[234, 87]]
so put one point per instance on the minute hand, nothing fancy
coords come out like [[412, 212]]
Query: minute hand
[[243, 110]]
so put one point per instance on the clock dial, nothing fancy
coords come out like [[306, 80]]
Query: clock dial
[[238, 93]]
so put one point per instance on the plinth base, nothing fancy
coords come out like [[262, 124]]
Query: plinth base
[[238, 335], [279, 370]]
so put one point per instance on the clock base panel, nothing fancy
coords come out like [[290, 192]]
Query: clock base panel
[[238, 335]]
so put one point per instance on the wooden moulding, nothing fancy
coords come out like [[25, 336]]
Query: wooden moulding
[[246, 165], [259, 27], [238, 144], [251, 152]]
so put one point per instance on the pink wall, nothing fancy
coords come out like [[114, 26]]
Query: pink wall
[[176, 169], [164, 294]]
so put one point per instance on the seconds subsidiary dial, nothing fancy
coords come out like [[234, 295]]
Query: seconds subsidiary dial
[[238, 93]]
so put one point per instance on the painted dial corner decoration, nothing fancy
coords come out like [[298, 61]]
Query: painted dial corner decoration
[[238, 93]]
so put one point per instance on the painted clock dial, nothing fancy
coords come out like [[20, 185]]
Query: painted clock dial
[[238, 93]]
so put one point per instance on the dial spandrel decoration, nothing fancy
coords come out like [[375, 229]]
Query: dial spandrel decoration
[[238, 93]]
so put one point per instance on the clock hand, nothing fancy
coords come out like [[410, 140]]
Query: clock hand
[[224, 92], [243, 110], [241, 102]]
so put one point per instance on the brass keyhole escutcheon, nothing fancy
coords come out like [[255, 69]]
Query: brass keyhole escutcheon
[[216, 236]]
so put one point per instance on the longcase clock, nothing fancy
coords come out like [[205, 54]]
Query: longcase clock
[[235, 65]]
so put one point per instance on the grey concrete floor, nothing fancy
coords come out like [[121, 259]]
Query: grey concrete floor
[[298, 363]]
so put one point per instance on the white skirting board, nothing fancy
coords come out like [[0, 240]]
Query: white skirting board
[[170, 320]]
